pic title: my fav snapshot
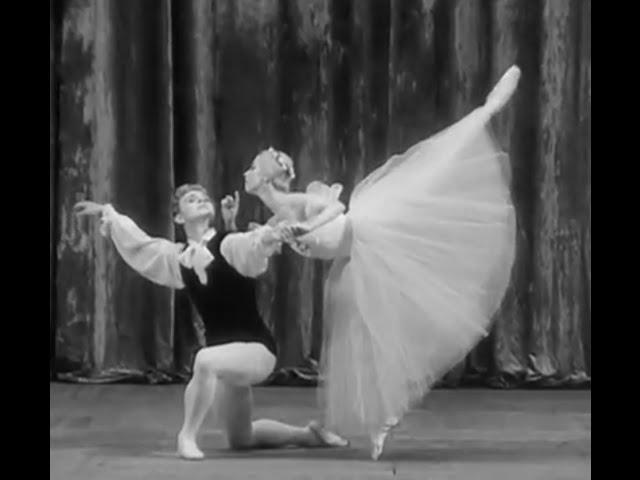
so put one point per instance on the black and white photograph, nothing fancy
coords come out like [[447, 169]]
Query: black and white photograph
[[320, 239]]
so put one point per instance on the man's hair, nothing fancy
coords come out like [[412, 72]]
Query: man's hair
[[181, 191]]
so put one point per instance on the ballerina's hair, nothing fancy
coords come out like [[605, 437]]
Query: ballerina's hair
[[181, 191], [284, 171]]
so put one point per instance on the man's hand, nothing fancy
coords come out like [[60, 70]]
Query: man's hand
[[271, 238], [229, 206], [86, 208]]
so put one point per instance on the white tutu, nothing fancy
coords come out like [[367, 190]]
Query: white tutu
[[431, 255]]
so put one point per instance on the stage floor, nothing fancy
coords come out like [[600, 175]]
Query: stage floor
[[113, 432]]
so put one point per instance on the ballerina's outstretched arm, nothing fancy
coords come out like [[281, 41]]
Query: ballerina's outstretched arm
[[323, 212], [328, 212]]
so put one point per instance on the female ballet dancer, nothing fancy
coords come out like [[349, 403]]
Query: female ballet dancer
[[218, 269], [421, 262]]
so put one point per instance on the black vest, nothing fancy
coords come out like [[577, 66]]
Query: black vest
[[227, 303]]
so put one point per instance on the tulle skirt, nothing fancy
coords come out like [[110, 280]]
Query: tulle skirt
[[433, 243]]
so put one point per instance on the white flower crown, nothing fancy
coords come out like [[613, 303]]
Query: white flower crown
[[277, 156]]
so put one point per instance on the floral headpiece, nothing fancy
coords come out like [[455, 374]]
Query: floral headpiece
[[277, 156]]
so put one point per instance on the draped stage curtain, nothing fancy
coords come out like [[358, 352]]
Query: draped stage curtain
[[149, 94]]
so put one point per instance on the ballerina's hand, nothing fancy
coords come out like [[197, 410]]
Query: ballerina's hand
[[300, 229], [291, 231], [86, 208]]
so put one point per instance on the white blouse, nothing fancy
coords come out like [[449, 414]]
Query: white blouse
[[159, 259]]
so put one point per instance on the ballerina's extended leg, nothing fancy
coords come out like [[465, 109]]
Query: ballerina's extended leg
[[503, 90]]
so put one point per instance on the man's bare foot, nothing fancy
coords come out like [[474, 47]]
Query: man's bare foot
[[503, 91], [188, 449], [327, 438]]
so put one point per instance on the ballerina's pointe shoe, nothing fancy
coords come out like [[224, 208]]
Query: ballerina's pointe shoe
[[504, 89], [378, 440]]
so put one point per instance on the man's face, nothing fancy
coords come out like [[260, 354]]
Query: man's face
[[195, 205]]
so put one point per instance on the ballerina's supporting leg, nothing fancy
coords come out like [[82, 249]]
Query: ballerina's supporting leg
[[378, 439]]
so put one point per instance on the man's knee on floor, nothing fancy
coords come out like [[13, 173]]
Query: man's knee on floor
[[240, 441]]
